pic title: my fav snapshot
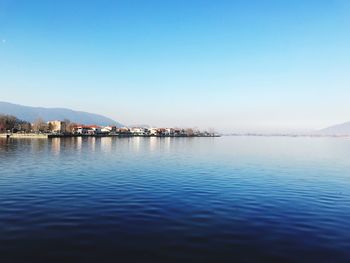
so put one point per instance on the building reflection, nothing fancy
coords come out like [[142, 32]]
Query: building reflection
[[136, 144], [78, 143], [38, 145], [91, 143], [106, 144], [153, 144], [55, 144]]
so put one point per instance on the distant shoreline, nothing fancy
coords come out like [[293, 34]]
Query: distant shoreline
[[289, 135], [48, 136]]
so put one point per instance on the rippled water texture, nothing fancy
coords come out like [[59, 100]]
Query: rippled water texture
[[228, 199]]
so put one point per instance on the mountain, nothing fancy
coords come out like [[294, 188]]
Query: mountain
[[340, 129], [32, 113]]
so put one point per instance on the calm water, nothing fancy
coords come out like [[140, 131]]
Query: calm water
[[229, 199]]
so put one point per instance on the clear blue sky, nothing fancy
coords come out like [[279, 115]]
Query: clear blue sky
[[233, 65]]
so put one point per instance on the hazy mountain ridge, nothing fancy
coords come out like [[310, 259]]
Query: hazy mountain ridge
[[30, 114], [339, 129]]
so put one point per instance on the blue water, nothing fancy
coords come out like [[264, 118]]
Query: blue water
[[228, 199]]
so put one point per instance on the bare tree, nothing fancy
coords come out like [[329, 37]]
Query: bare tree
[[27, 127], [11, 123], [70, 126], [50, 126], [189, 132], [40, 126]]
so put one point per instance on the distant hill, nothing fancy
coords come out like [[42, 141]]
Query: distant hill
[[32, 113], [340, 129]]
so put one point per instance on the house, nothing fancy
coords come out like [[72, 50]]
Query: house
[[87, 130], [57, 126], [161, 131], [153, 131], [81, 130], [94, 129], [170, 132], [179, 132], [109, 129], [139, 131], [123, 131]]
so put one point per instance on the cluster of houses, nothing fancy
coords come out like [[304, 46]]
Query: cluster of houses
[[60, 127], [136, 131]]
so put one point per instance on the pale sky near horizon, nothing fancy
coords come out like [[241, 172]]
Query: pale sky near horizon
[[233, 65]]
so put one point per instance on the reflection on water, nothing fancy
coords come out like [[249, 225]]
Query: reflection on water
[[229, 199]]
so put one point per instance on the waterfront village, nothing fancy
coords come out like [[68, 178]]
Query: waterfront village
[[60, 127], [66, 128]]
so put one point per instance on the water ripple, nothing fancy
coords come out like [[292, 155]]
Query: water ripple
[[241, 199]]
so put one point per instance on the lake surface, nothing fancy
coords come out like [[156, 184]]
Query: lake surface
[[228, 199]]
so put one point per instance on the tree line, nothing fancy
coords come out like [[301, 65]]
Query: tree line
[[9, 123], [13, 124]]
